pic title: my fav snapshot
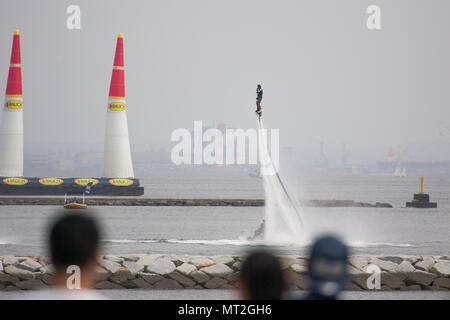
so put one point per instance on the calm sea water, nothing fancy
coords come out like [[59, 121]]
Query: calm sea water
[[223, 230]]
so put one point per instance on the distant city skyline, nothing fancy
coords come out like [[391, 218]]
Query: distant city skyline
[[326, 77]]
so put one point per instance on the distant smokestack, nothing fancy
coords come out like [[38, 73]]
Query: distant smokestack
[[117, 156], [11, 126]]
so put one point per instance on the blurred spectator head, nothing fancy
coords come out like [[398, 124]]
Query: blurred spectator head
[[74, 240], [262, 277], [327, 268]]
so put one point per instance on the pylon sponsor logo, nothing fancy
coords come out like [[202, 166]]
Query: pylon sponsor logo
[[51, 181], [15, 181], [13, 104], [121, 182], [117, 106], [85, 181]]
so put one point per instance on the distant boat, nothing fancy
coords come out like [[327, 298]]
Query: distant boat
[[75, 205], [74, 202], [400, 172], [403, 174]]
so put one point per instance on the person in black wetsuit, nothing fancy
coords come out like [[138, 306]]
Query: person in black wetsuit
[[259, 96]]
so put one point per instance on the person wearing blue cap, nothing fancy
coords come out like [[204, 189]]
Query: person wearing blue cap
[[327, 269]]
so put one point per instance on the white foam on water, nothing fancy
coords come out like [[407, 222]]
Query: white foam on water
[[220, 242], [283, 225], [244, 242], [131, 241], [12, 240], [236, 242], [360, 244]]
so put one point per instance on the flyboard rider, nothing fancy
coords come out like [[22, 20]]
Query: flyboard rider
[[259, 96], [259, 233]]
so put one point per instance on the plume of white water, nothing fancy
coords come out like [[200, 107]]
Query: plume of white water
[[283, 223]]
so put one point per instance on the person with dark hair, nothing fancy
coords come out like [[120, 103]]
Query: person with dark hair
[[261, 277], [259, 96], [74, 244], [327, 269]]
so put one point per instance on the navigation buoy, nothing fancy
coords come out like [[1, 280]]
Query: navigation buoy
[[422, 199], [117, 155], [11, 126]]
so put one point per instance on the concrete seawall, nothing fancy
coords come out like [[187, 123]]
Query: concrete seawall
[[221, 272], [139, 201]]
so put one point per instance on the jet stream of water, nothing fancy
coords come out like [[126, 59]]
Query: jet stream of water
[[283, 218]]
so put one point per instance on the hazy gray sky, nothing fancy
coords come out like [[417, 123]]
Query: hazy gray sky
[[325, 75]]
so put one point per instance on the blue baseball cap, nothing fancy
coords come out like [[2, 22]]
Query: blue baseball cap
[[327, 266]]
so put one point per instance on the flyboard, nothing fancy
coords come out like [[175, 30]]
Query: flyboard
[[291, 202]]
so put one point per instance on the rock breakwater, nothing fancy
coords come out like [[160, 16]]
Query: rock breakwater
[[212, 272], [140, 201]]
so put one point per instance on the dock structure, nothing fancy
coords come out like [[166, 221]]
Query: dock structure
[[60, 186]]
